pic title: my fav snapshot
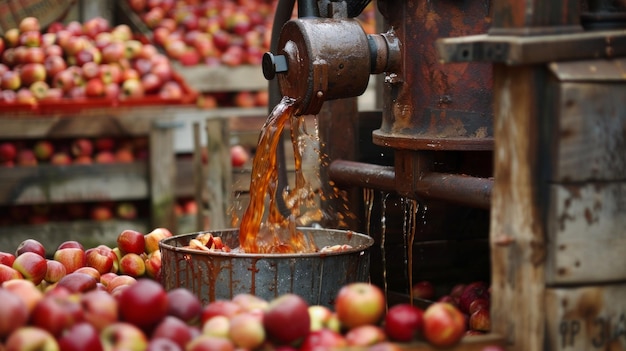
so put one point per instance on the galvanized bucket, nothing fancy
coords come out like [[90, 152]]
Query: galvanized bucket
[[317, 277]]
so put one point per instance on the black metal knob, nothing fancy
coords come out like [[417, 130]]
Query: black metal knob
[[273, 64]]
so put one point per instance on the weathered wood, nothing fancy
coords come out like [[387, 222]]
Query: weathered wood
[[219, 175], [592, 132], [586, 318], [587, 233], [162, 175], [517, 234], [201, 193], [50, 184], [222, 78]]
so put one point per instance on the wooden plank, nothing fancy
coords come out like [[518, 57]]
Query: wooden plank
[[591, 133], [162, 175], [587, 233], [219, 175], [586, 318], [50, 184], [222, 78]]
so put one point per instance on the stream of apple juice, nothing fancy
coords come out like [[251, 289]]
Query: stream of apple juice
[[275, 234]]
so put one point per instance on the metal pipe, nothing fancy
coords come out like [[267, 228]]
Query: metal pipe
[[454, 188]]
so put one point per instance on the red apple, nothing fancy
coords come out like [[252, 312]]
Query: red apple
[[8, 151], [226, 308], [11, 80], [472, 292], [99, 308], [120, 280], [80, 337], [32, 72], [56, 313], [423, 290], [480, 303], [404, 322], [64, 80], [210, 343], [13, 313], [143, 303], [94, 88], [60, 158], [30, 39], [101, 258], [171, 90], [89, 271], [185, 305], [32, 266], [123, 336], [359, 303], [162, 344], [26, 290], [131, 241], [132, 88], [34, 55], [101, 212], [217, 326], [175, 329], [153, 264], [31, 338], [286, 319], [365, 335], [78, 282], [54, 65], [54, 272], [31, 245], [71, 257], [82, 147], [323, 339], [7, 258], [132, 264], [444, 324], [26, 157], [323, 317], [480, 320], [29, 23], [246, 330], [238, 155]]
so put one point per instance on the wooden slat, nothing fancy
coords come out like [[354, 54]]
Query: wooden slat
[[50, 184], [162, 175], [587, 234], [219, 175], [586, 318], [222, 78], [592, 133]]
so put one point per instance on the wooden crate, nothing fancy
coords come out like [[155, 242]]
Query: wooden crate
[[151, 180], [558, 230]]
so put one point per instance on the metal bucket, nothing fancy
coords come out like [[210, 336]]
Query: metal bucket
[[317, 277]]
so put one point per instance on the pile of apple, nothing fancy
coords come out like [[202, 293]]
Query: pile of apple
[[209, 32], [102, 150], [81, 60], [473, 300], [72, 211]]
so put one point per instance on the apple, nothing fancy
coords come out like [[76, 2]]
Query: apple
[[246, 330], [365, 335], [217, 326], [13, 313], [286, 319], [31, 338], [99, 308], [323, 317], [54, 65], [153, 238], [175, 329], [131, 241], [32, 72], [126, 210], [480, 320], [43, 149], [33, 55], [8, 151], [104, 143], [404, 322], [132, 88], [29, 23], [94, 88], [162, 344], [444, 324], [7, 258], [153, 263], [54, 272], [132, 264], [143, 303], [123, 336], [78, 282], [11, 80], [480, 303], [89, 271], [56, 312], [25, 157], [423, 290], [226, 308], [31, 245], [101, 258], [323, 339], [60, 158], [30, 39], [81, 147], [64, 80], [473, 291], [32, 266], [25, 290], [249, 302], [101, 212], [118, 281], [9, 273], [184, 304], [71, 257], [210, 343], [79, 337], [359, 303]]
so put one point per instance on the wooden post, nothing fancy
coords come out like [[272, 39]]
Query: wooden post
[[219, 172]]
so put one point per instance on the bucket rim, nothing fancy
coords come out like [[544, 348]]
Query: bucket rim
[[369, 242]]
